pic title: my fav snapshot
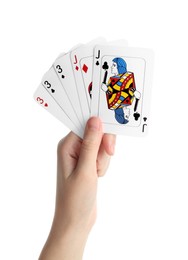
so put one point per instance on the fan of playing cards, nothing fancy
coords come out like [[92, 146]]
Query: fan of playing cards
[[111, 81]]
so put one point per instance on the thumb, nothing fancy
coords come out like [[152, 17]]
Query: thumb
[[90, 144]]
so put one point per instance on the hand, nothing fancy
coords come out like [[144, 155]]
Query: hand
[[80, 163]]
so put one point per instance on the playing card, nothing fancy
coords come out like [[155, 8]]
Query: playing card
[[45, 100], [82, 66], [118, 43], [63, 69], [121, 89], [53, 85]]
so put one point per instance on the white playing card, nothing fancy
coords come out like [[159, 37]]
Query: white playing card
[[82, 66], [53, 85], [61, 55], [118, 43], [121, 89], [82, 63], [45, 100], [64, 72], [74, 47]]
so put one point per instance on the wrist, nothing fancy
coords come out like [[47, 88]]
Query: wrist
[[70, 225], [64, 242], [74, 221]]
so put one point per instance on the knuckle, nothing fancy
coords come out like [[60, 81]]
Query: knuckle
[[89, 144], [60, 144], [64, 144], [61, 147]]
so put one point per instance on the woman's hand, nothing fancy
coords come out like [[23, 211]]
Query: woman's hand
[[79, 164]]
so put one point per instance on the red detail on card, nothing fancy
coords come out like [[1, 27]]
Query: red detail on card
[[77, 68], [40, 100], [46, 105], [85, 68], [75, 59]]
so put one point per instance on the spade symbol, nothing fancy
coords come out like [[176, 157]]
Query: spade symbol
[[97, 63], [63, 76], [145, 118], [52, 90]]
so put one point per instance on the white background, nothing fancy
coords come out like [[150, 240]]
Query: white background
[[143, 199]]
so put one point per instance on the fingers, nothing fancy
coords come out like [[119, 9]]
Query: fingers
[[90, 154], [68, 141], [68, 145], [103, 161], [107, 149], [90, 145], [109, 141], [68, 152]]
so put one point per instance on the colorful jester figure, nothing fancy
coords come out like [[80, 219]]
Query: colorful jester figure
[[120, 90]]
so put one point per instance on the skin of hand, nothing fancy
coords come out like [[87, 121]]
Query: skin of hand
[[79, 164]]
